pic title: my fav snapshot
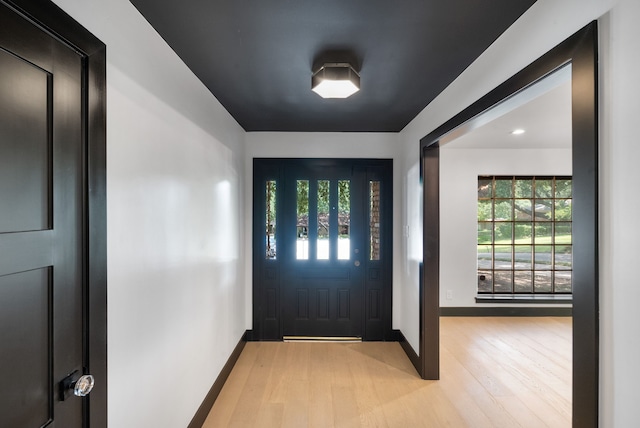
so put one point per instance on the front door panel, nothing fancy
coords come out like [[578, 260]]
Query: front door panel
[[323, 240]]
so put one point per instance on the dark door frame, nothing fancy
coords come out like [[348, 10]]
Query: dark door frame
[[581, 51], [55, 21]]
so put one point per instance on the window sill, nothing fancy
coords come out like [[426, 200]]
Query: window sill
[[524, 298]]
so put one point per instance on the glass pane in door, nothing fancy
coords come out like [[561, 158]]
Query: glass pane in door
[[323, 220], [270, 217], [374, 220], [302, 222], [344, 219]]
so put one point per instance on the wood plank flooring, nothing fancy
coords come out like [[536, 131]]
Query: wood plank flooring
[[495, 372]]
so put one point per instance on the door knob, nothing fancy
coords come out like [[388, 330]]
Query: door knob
[[80, 387], [357, 263], [83, 386]]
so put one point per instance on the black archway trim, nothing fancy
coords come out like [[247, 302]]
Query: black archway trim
[[581, 51]]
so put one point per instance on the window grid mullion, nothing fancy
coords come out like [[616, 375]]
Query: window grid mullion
[[542, 245]]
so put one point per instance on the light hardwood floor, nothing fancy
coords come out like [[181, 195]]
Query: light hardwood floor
[[495, 372]]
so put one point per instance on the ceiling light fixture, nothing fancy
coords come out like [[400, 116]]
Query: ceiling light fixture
[[335, 80], [517, 131]]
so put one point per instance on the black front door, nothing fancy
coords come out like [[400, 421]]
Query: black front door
[[323, 246], [322, 250], [41, 215]]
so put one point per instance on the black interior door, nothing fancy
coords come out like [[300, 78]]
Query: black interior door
[[41, 215], [322, 248]]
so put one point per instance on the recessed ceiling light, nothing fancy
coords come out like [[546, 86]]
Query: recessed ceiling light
[[517, 131], [335, 80]]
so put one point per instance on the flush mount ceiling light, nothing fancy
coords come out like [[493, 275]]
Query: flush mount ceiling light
[[335, 80], [517, 132]]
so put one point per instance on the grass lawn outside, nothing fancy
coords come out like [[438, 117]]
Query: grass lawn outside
[[522, 245]]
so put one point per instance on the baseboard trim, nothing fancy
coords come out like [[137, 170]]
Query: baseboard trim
[[207, 403], [561, 299], [413, 357], [505, 312]]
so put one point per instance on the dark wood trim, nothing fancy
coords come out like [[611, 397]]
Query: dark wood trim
[[96, 196], [394, 336], [212, 395], [55, 21], [585, 229], [430, 291], [406, 347], [518, 311], [580, 50], [558, 299]]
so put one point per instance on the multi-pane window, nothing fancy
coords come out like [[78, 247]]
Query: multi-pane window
[[524, 235], [316, 203]]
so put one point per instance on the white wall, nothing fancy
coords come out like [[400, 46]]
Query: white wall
[[546, 24], [459, 171], [619, 232], [322, 145], [175, 176]]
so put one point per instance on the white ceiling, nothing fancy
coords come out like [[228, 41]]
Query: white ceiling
[[543, 110]]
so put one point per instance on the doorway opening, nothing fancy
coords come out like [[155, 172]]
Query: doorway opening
[[580, 50]]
